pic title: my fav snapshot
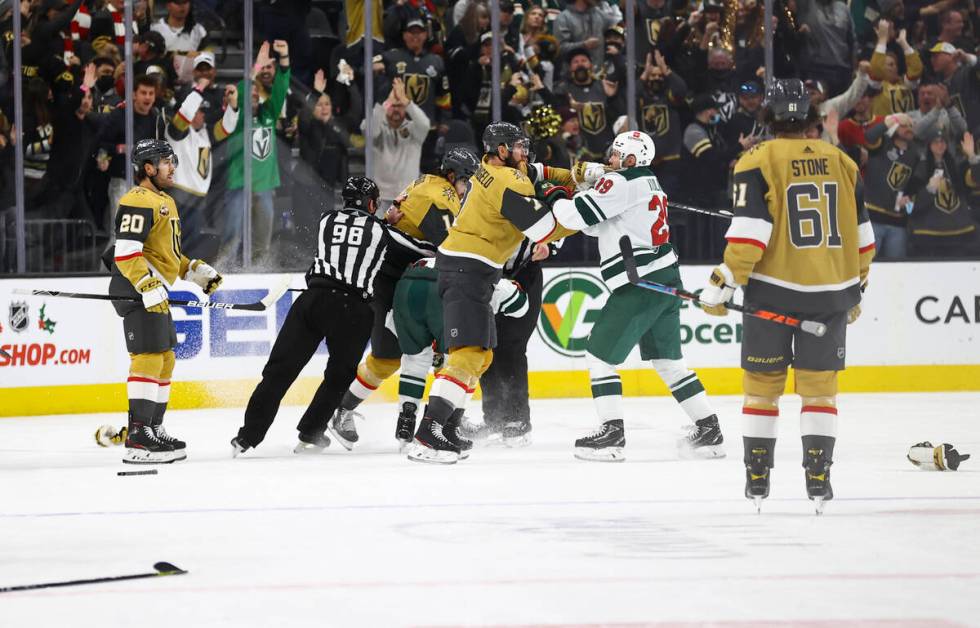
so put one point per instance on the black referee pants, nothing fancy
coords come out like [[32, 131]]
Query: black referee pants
[[335, 315], [504, 385]]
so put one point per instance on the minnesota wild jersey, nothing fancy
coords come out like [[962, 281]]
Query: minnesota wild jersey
[[627, 202], [800, 239], [148, 237]]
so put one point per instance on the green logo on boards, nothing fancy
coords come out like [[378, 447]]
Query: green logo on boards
[[570, 304]]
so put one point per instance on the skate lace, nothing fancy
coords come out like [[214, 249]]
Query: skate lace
[[436, 431], [161, 434], [347, 419], [150, 433], [599, 431]]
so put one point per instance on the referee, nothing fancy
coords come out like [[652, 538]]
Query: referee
[[335, 307]]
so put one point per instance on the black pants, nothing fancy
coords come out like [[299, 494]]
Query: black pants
[[505, 393], [342, 319]]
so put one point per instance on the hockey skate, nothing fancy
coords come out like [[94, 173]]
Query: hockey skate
[[311, 444], [143, 446], [179, 446], [758, 463], [516, 433], [405, 427], [817, 474], [342, 428], [483, 434], [239, 446], [431, 445], [703, 440], [604, 445], [451, 432]]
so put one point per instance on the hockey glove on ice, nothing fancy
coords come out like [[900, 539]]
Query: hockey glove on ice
[[720, 290], [155, 296], [940, 458], [204, 276]]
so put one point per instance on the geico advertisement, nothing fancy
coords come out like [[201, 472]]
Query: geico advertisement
[[54, 340], [913, 313]]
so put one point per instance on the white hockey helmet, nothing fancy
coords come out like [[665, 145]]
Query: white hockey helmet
[[636, 143]]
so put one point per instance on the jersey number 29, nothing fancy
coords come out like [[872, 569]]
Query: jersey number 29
[[660, 230]]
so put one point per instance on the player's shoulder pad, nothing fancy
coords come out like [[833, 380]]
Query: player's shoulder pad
[[754, 157], [518, 181], [141, 197]]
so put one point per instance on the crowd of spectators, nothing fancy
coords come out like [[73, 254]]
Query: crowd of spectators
[[897, 83]]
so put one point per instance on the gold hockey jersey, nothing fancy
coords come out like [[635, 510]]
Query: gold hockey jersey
[[800, 239], [148, 237], [482, 231], [430, 206]]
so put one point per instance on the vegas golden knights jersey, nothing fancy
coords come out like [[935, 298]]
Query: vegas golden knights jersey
[[430, 207], [148, 237], [800, 239], [481, 232]]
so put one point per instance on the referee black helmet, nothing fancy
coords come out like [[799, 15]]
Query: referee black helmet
[[357, 191]]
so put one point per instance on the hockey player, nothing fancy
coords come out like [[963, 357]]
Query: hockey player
[[417, 319], [800, 241], [500, 210], [628, 201], [147, 261], [425, 211], [334, 308]]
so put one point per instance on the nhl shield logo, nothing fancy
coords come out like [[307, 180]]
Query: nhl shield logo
[[593, 117], [19, 317], [417, 87], [898, 176], [656, 119], [262, 143]]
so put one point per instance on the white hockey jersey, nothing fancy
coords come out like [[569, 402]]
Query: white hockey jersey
[[193, 150], [626, 202]]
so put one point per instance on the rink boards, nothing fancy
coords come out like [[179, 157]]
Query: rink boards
[[919, 332]]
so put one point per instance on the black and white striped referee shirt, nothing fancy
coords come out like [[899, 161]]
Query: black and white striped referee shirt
[[351, 248]]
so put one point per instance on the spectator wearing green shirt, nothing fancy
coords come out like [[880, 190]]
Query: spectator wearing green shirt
[[265, 167]]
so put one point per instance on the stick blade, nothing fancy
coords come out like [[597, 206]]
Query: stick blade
[[276, 292], [168, 569], [629, 262], [813, 327]]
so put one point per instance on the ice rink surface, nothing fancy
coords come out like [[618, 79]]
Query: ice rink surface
[[510, 537]]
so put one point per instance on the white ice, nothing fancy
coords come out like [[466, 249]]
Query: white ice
[[509, 537]]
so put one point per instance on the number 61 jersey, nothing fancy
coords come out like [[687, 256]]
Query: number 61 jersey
[[625, 202], [800, 239]]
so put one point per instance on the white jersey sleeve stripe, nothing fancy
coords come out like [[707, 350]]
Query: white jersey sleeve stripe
[[747, 230]]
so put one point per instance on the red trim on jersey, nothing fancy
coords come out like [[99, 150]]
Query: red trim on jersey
[[166, 383], [148, 380], [757, 411], [820, 409], [453, 380], [130, 256], [865, 249], [364, 383], [553, 229], [757, 243]]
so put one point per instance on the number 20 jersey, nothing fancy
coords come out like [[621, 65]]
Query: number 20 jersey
[[800, 239], [626, 202]]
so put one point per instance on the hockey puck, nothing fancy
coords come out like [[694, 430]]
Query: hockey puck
[[146, 472]]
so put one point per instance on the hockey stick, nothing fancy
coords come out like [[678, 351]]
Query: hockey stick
[[260, 306], [162, 569], [811, 327], [717, 213]]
